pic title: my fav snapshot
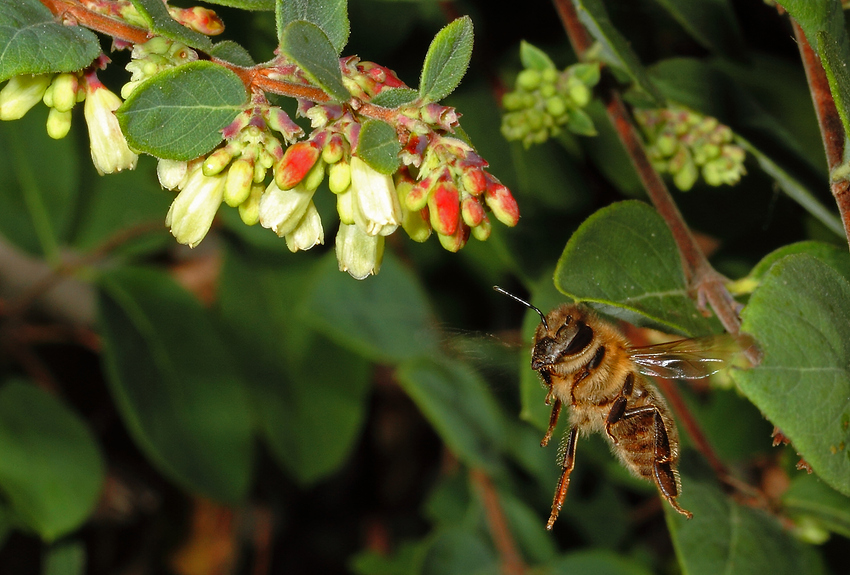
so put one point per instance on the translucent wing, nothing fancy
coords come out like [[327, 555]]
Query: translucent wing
[[689, 358]]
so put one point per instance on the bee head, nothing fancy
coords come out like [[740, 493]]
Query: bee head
[[564, 333]]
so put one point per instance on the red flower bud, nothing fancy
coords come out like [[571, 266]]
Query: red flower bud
[[503, 204], [296, 162], [473, 181], [417, 198], [444, 206]]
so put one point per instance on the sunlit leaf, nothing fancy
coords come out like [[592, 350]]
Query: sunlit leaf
[[446, 61], [33, 41], [179, 113], [624, 258], [308, 46], [161, 23], [799, 315], [379, 147]]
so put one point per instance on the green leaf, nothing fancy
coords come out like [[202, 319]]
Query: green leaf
[[33, 41], [812, 499], [580, 123], [446, 61], [624, 258], [232, 52], [175, 384], [330, 16], [460, 407], [267, 5], [798, 316], [836, 257], [310, 394], [386, 319], [615, 49], [712, 23], [459, 551], [129, 202], [179, 113], [815, 16], [305, 44], [598, 562], [379, 147], [51, 471], [725, 537], [38, 185], [160, 22], [65, 558], [534, 58], [395, 97], [834, 55]]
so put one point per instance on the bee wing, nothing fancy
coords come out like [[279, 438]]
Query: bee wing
[[689, 358]]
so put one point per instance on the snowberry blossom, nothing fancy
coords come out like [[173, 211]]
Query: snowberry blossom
[[308, 232], [374, 200], [282, 210], [357, 253], [109, 150], [193, 210]]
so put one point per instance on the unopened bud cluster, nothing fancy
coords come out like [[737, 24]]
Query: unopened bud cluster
[[152, 57], [686, 145], [197, 18], [545, 102]]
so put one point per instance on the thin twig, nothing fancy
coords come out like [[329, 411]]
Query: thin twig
[[829, 122], [511, 560]]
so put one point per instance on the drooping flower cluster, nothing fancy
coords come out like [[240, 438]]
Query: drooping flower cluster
[[685, 144], [545, 102]]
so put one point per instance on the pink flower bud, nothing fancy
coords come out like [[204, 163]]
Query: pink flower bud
[[472, 211], [503, 204], [444, 207], [455, 241], [296, 162], [473, 181], [417, 197]]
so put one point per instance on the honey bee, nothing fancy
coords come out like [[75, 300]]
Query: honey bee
[[587, 364]]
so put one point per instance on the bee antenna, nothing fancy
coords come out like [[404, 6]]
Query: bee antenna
[[525, 303]]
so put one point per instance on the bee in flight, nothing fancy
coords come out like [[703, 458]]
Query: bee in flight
[[588, 364]]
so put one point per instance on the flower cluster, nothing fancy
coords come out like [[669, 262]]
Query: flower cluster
[[155, 55], [61, 92], [197, 18], [544, 102], [685, 144]]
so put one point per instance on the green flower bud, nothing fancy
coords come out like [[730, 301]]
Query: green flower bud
[[58, 123], [548, 90], [580, 94], [237, 186], [315, 176], [556, 106], [512, 101], [482, 231], [339, 177], [64, 88], [549, 75], [22, 93], [686, 176], [528, 79], [217, 161], [249, 210]]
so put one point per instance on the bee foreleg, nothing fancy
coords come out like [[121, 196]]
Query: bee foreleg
[[567, 465], [553, 421]]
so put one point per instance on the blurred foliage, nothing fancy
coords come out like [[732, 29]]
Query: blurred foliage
[[242, 409]]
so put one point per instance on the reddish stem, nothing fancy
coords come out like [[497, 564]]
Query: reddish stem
[[831, 128], [512, 563]]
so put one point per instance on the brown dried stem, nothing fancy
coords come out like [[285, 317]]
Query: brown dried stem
[[511, 560], [829, 122]]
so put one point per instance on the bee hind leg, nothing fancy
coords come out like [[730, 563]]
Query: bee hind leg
[[666, 478], [567, 465]]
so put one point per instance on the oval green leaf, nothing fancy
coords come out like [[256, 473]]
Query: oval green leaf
[[33, 41], [624, 258], [179, 113], [725, 537], [446, 61], [175, 384], [307, 45], [394, 97], [160, 22], [460, 407], [534, 58], [330, 16], [385, 319], [798, 315], [310, 394], [379, 147], [51, 471]]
